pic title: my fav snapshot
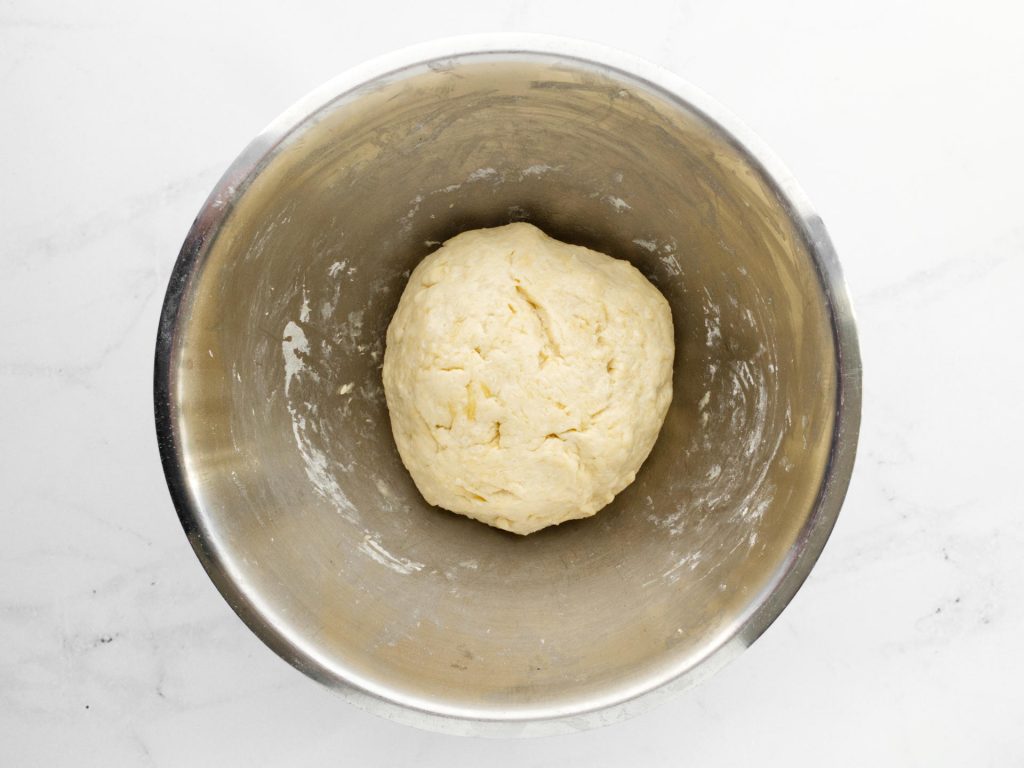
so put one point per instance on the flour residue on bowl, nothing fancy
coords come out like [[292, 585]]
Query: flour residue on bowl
[[295, 348], [372, 548], [538, 169], [318, 468], [341, 267], [617, 203], [665, 252], [689, 561], [312, 343], [725, 498], [712, 321], [405, 222], [482, 173]]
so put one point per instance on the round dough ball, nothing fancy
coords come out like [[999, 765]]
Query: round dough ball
[[527, 379]]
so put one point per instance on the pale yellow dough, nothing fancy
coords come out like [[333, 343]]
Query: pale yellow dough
[[527, 379]]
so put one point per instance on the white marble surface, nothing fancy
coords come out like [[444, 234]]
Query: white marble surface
[[904, 123]]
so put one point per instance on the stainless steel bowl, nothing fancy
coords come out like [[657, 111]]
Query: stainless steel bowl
[[276, 441]]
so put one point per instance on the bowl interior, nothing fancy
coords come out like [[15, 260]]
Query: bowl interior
[[300, 505]]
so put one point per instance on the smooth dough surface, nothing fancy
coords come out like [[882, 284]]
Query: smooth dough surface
[[527, 379]]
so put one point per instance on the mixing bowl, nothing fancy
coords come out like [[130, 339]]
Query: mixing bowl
[[276, 440]]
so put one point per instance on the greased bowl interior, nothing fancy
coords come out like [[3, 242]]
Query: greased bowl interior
[[276, 439]]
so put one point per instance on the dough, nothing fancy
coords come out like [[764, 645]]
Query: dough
[[527, 379]]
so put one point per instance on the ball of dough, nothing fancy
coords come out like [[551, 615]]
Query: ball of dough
[[527, 379]]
